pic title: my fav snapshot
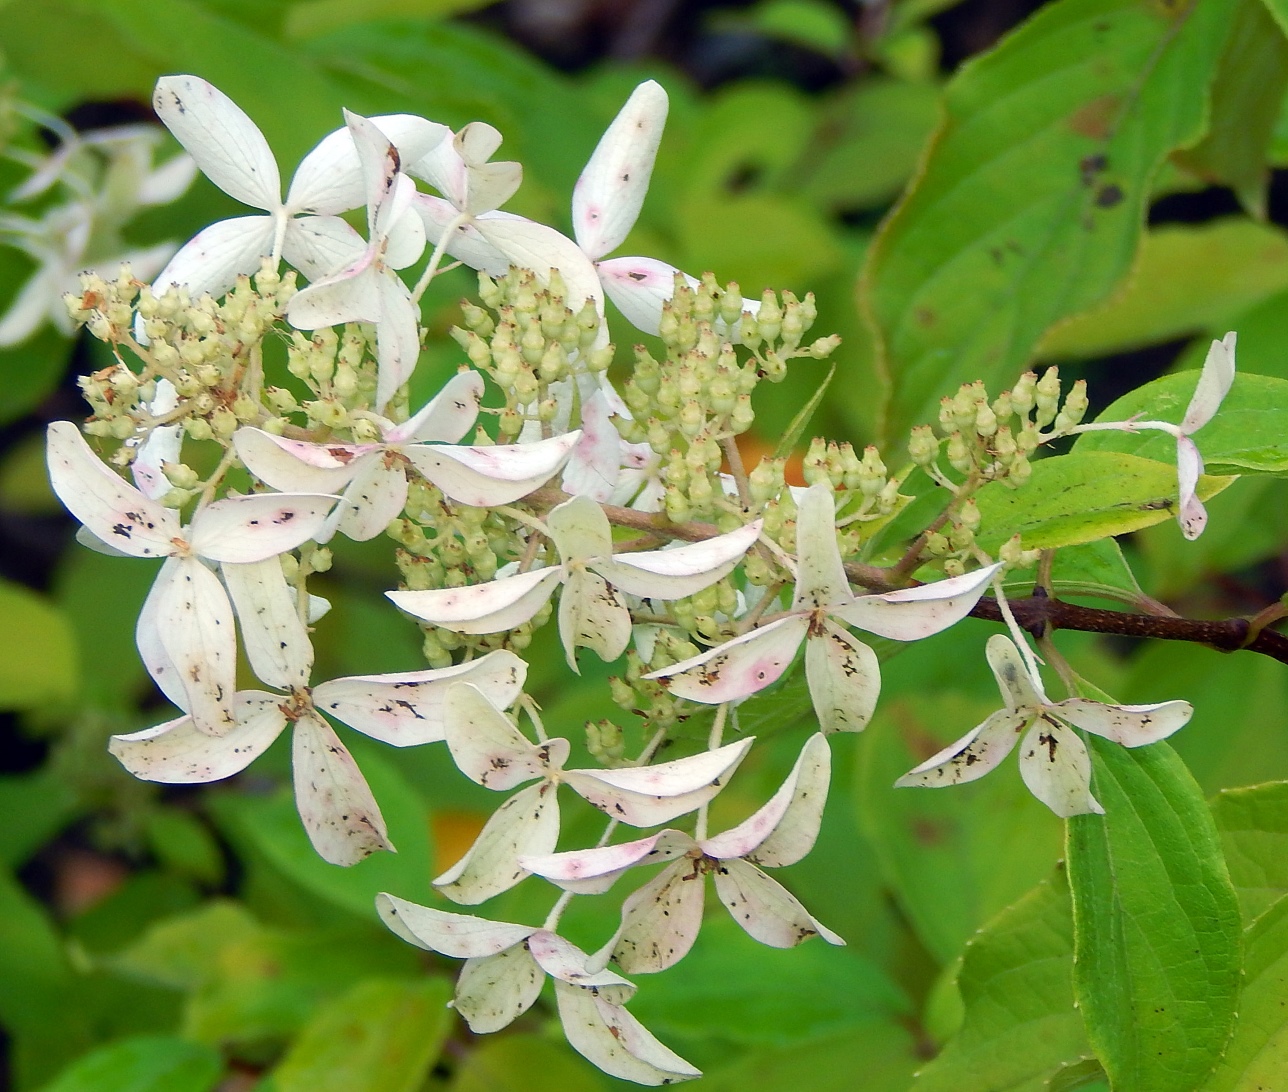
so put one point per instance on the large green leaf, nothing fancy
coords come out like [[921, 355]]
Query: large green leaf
[[1158, 940], [145, 1064], [1030, 204], [38, 660], [1254, 832], [1016, 983], [1082, 497]]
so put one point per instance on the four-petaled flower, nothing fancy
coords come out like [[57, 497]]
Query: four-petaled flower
[[843, 674], [1053, 759]]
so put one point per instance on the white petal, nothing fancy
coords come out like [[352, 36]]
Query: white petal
[[30, 307], [91, 541], [739, 667], [493, 607], [407, 709], [466, 244], [1130, 725], [397, 337], [683, 571], [448, 416], [1019, 689], [765, 908], [147, 635], [493, 991], [175, 753], [319, 246], [660, 921], [526, 824], [1057, 769], [1192, 516], [580, 530], [820, 573], [335, 803], [592, 615], [534, 246], [594, 467], [297, 466], [108, 505], [786, 828], [227, 145], [211, 261], [257, 526], [565, 962], [487, 747], [913, 613], [167, 182], [162, 446], [273, 635], [350, 295], [195, 623], [646, 796], [594, 871], [405, 237], [461, 936], [373, 499], [972, 756], [844, 679], [607, 198], [486, 476], [1214, 384], [639, 287], [611, 1039]]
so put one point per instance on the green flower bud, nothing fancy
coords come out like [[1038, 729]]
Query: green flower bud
[[923, 448]]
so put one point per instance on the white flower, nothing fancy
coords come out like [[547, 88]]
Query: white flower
[[592, 612], [505, 967], [843, 674], [1053, 759], [233, 154], [187, 619], [490, 750], [335, 804], [660, 921]]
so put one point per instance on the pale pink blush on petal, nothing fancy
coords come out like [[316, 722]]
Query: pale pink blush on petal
[[739, 667]]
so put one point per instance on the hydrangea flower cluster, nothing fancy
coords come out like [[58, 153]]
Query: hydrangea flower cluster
[[628, 507]]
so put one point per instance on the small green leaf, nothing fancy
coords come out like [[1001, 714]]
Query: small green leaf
[[1083, 497], [797, 428], [1254, 831], [38, 661], [1158, 940], [144, 1064], [33, 807], [381, 1036]]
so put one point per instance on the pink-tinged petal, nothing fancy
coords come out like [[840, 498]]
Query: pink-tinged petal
[[647, 796], [1020, 691], [487, 747], [1130, 725], [461, 936], [296, 466], [820, 573], [594, 467], [351, 295], [494, 991], [226, 144], [211, 261], [683, 571], [493, 607], [765, 908], [341, 816], [844, 678], [592, 615], [786, 828], [448, 416], [164, 444], [406, 709], [108, 505], [739, 667], [612, 1040], [526, 824], [610, 192], [175, 753], [466, 244], [1214, 384], [397, 338], [375, 497], [639, 287], [273, 634], [913, 613], [486, 476], [1192, 516], [565, 962], [319, 246], [580, 530], [660, 921], [147, 635], [251, 528], [594, 871], [1057, 769], [972, 756], [534, 246], [195, 622]]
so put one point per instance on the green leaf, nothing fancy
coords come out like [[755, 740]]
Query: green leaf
[[33, 808], [1082, 497], [518, 1062], [145, 1064], [316, 17], [797, 428], [1094, 568], [38, 661], [382, 1036], [809, 23], [1030, 205], [1186, 279], [1157, 922], [1249, 433], [1016, 980], [1257, 1056], [1254, 832]]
